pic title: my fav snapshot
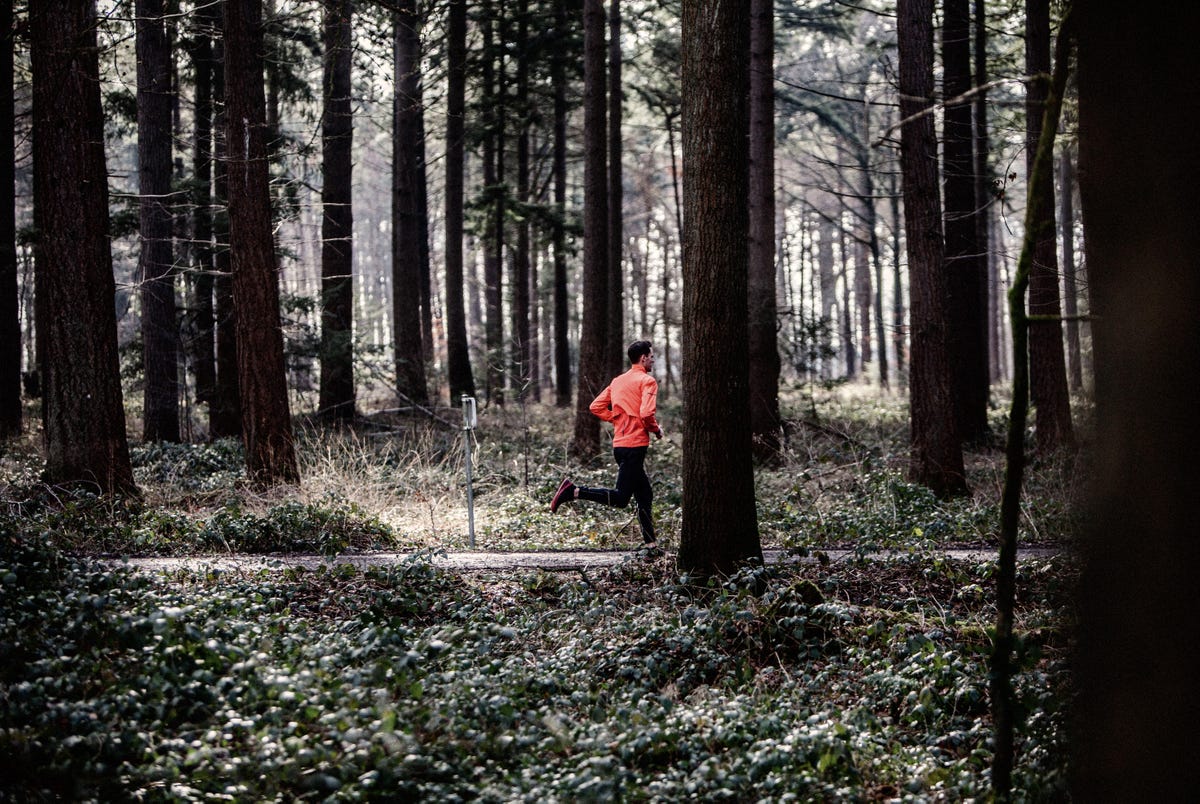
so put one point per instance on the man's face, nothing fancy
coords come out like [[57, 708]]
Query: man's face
[[648, 360]]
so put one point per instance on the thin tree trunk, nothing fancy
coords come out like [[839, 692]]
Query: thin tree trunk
[[989, 292], [458, 356], [522, 263], [494, 103], [203, 342], [225, 411], [616, 232], [937, 459], [337, 395], [155, 263], [765, 425], [967, 315], [594, 368], [562, 350], [1041, 194], [1070, 286], [83, 419], [1047, 364], [10, 301], [266, 420], [408, 215]]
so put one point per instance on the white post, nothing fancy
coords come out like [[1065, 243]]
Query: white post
[[469, 421]]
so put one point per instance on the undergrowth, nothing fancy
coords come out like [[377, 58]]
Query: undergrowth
[[859, 680]]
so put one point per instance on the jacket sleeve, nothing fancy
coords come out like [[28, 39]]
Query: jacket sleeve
[[601, 405], [649, 406]]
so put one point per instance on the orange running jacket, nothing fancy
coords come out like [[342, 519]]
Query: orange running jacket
[[629, 403]]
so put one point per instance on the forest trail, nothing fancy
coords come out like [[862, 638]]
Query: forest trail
[[546, 560]]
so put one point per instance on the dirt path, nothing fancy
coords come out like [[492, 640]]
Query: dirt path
[[551, 561]]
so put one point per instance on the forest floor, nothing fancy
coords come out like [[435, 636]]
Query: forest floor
[[341, 640]]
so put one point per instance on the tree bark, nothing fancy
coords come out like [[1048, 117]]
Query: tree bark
[[458, 356], [562, 349], [225, 411], [337, 397], [989, 289], [155, 263], [1139, 642], [494, 115], [522, 262], [720, 525], [616, 196], [937, 459], [562, 310], [966, 306], [408, 230], [266, 420], [765, 426], [1047, 364], [203, 334], [10, 304], [83, 418], [594, 367], [1070, 283]]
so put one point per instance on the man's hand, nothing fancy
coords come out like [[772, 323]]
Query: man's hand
[[659, 434]]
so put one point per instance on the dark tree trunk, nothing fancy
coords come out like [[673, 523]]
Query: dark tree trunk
[[458, 356], [899, 323], [562, 319], [1070, 282], [10, 305], [937, 459], [494, 114], [594, 368], [203, 334], [337, 398], [408, 229], [1139, 642], [966, 308], [522, 263], [160, 334], [266, 420], [720, 525], [83, 418], [225, 411], [616, 197], [763, 326], [989, 290], [1047, 364]]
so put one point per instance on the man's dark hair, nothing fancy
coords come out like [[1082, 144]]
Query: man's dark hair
[[637, 349]]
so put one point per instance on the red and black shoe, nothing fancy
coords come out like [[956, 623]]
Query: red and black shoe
[[565, 494]]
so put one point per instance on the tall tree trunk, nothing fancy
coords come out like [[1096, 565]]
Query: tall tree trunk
[[899, 323], [849, 346], [594, 368], [203, 339], [458, 355], [765, 425], [408, 229], [225, 411], [337, 396], [155, 263], [1047, 364], [616, 195], [720, 525], [1070, 284], [937, 459], [10, 303], [562, 349], [988, 289], [266, 420], [83, 418], [1139, 642], [494, 103], [522, 262], [967, 314], [827, 276]]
